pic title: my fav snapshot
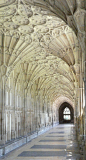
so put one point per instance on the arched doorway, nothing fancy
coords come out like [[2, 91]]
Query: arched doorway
[[66, 113]]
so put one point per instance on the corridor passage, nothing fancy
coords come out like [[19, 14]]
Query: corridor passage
[[59, 143]]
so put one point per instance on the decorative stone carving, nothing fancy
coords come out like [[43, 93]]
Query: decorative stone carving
[[7, 11], [10, 25], [25, 10], [42, 29], [37, 20], [46, 38], [26, 29], [28, 39], [4, 19], [20, 20], [6, 2], [58, 31], [36, 36]]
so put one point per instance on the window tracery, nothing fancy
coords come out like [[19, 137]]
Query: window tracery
[[66, 114]]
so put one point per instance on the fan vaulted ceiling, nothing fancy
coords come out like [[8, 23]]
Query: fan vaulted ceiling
[[39, 49]]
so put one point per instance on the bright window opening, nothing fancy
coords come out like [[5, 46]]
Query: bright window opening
[[66, 114]]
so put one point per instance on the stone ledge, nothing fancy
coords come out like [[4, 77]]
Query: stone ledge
[[23, 140], [15, 145], [1, 152]]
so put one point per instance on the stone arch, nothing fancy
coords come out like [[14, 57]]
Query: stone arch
[[61, 109]]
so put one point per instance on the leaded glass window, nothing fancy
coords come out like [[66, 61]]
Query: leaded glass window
[[66, 114]]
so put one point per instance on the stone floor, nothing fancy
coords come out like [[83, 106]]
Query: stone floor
[[59, 143]]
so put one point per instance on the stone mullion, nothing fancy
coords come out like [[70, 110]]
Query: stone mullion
[[3, 134], [33, 103], [10, 124], [50, 113], [36, 112], [17, 125], [13, 134], [21, 115], [15, 109], [20, 123], [13, 125], [30, 105], [44, 111], [19, 131], [81, 125], [46, 107], [39, 111], [76, 114], [6, 124], [76, 110], [23, 109], [25, 112], [47, 112]]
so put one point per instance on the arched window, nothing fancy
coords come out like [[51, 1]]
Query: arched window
[[66, 114]]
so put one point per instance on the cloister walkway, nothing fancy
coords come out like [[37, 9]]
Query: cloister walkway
[[59, 143]]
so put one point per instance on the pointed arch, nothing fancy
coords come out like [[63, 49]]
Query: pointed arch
[[66, 113]]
